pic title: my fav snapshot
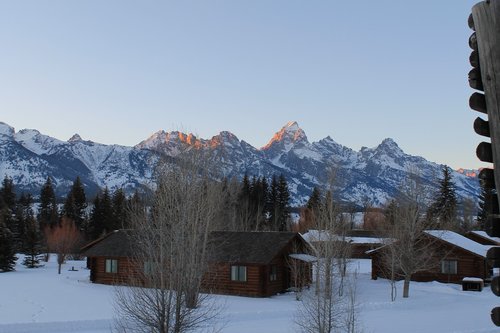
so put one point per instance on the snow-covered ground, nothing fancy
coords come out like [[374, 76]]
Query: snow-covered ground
[[40, 300]]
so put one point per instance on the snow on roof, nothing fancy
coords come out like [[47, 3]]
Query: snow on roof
[[472, 279], [485, 235], [325, 235], [460, 241], [317, 236], [303, 257]]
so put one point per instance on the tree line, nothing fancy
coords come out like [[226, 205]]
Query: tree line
[[55, 227], [250, 204]]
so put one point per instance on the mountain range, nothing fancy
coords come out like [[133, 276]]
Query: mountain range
[[370, 175]]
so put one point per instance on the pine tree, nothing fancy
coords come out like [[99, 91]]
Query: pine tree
[[244, 207], [96, 226], [101, 217], [32, 243], [7, 251], [486, 197], [283, 202], [443, 211], [119, 202], [107, 210], [8, 193], [8, 211], [76, 204], [273, 205], [48, 214], [22, 214], [314, 201]]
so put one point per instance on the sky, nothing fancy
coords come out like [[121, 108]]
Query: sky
[[116, 71]]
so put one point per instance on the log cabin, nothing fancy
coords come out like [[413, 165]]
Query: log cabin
[[359, 241], [258, 264], [455, 257]]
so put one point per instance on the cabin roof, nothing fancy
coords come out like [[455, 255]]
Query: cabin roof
[[352, 236], [483, 234], [454, 239], [249, 247], [114, 244], [458, 240], [226, 246]]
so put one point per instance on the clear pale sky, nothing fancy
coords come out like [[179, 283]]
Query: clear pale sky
[[359, 71]]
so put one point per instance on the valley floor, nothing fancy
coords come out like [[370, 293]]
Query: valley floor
[[40, 300]]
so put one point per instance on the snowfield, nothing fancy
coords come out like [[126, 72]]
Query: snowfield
[[40, 300]]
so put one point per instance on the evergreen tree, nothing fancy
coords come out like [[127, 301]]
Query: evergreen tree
[[101, 217], [8, 193], [311, 211], [119, 202], [245, 189], [107, 210], [32, 243], [443, 211], [96, 225], [314, 201], [283, 202], [48, 214], [8, 211], [244, 207], [22, 214], [273, 206], [76, 204], [7, 251], [486, 198]]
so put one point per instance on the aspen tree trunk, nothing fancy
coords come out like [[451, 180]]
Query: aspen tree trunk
[[406, 286]]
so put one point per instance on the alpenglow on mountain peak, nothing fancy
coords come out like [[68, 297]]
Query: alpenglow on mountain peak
[[289, 134]]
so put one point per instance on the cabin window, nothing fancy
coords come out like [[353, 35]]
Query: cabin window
[[449, 267], [111, 266], [239, 273], [148, 268], [273, 274]]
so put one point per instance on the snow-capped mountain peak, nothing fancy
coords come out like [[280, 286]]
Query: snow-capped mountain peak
[[289, 135], [389, 145], [224, 138], [6, 130], [75, 138]]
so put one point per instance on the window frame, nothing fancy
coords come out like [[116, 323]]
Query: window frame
[[238, 273], [449, 266], [273, 273], [147, 268], [111, 266]]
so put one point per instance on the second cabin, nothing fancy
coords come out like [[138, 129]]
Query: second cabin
[[258, 264]]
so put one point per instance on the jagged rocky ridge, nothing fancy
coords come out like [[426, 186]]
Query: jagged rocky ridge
[[372, 174]]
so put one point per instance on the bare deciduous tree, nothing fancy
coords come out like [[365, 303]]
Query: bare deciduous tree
[[171, 250], [406, 252], [63, 239], [329, 307]]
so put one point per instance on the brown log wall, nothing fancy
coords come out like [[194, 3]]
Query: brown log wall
[[127, 270], [468, 265], [218, 280]]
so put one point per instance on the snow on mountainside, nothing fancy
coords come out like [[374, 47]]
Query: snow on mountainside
[[29, 157], [373, 174]]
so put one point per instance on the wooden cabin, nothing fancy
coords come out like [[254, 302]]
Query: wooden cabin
[[454, 257], [256, 264], [109, 258]]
